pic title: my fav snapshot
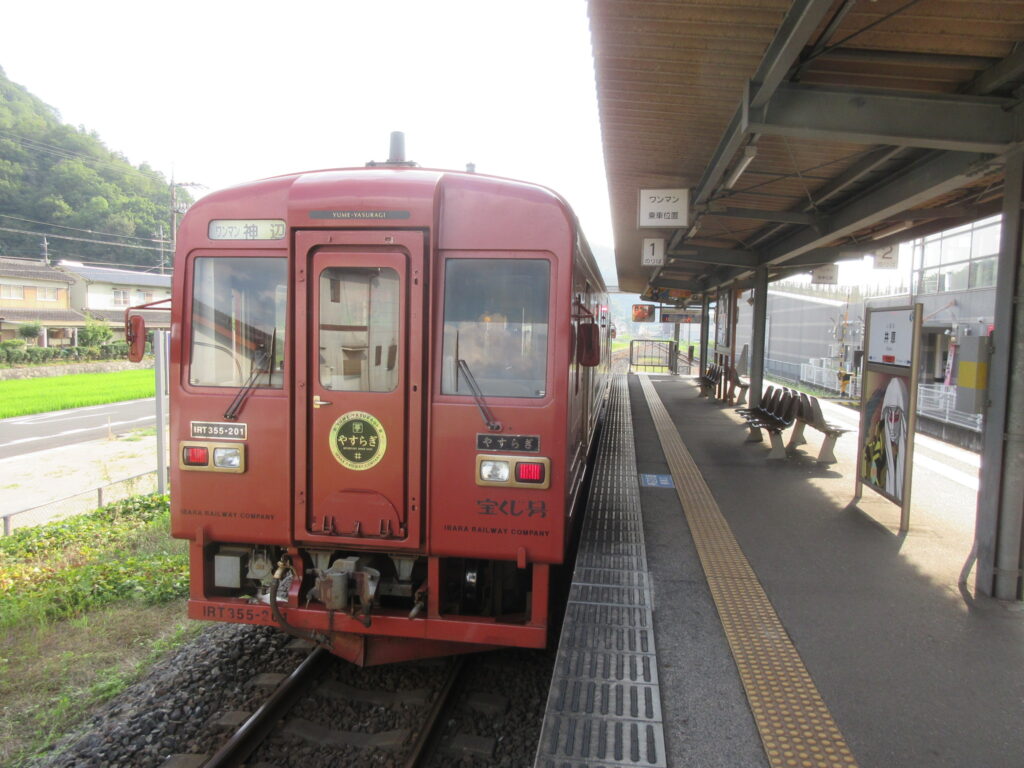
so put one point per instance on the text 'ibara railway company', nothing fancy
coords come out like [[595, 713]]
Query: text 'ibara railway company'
[[385, 383]]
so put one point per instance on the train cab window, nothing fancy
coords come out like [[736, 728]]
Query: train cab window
[[496, 320], [359, 329], [239, 312]]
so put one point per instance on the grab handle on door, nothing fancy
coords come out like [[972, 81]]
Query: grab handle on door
[[317, 402]]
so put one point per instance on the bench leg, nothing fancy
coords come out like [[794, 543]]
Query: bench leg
[[827, 453], [755, 435], [796, 437], [742, 399], [778, 450]]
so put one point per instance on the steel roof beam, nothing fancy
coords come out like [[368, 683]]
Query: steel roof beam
[[686, 285], [789, 217], [934, 175], [955, 123], [723, 256], [1008, 71], [803, 18]]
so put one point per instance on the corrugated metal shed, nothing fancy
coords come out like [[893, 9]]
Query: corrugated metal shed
[[806, 131]]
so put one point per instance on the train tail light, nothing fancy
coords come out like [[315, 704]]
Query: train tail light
[[514, 471], [530, 472], [196, 456]]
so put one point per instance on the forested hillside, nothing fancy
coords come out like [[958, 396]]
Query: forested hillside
[[63, 181]]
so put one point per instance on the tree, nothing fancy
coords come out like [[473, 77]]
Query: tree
[[30, 331], [95, 333]]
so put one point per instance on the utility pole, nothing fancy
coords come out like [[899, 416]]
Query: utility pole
[[176, 209], [162, 257]]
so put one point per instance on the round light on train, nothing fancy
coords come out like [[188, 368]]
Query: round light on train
[[494, 471], [227, 458]]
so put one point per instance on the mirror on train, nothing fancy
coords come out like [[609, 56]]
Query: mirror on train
[[588, 344], [136, 338], [643, 313]]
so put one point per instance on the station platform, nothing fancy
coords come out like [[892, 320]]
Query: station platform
[[728, 610]]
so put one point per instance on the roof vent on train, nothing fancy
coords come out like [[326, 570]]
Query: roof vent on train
[[397, 154]]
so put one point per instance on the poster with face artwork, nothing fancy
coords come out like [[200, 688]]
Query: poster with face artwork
[[883, 457]]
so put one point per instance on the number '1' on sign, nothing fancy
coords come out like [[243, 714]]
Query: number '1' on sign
[[653, 252]]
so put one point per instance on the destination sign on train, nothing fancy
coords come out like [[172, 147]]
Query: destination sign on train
[[247, 229]]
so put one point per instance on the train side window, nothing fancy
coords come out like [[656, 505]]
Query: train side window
[[496, 319], [359, 329], [239, 322]]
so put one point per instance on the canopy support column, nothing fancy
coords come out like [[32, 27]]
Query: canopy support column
[[758, 335], [705, 322], [999, 526]]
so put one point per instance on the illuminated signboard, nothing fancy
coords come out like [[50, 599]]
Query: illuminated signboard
[[247, 229]]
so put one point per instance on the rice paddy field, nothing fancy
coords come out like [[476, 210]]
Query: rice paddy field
[[21, 397]]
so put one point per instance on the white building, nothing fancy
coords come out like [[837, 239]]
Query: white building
[[106, 292]]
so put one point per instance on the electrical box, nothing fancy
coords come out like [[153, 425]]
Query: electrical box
[[972, 374], [227, 567]]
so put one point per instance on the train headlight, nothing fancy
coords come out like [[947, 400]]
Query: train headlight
[[227, 458], [494, 471]]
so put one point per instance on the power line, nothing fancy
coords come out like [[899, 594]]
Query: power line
[[85, 240], [85, 231], [69, 154]]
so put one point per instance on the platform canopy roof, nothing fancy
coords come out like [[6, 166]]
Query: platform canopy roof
[[806, 132]]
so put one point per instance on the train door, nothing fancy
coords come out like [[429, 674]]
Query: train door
[[363, 411]]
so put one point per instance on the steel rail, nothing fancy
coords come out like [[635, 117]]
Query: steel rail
[[254, 730], [427, 734]]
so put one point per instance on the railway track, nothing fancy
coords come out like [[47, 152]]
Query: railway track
[[328, 713]]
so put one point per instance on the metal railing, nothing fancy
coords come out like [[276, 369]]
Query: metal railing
[[657, 355], [782, 369], [83, 501], [938, 401], [935, 401], [650, 354], [828, 378]]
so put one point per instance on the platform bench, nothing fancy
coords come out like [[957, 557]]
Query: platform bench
[[709, 381], [736, 383], [810, 415], [775, 417]]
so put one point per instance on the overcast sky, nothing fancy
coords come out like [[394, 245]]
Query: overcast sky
[[220, 92]]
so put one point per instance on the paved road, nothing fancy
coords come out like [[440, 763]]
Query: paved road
[[28, 434]]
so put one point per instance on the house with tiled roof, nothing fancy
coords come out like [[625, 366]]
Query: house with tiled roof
[[32, 291], [104, 293]]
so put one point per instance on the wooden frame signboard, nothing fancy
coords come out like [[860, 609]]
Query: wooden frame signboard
[[888, 411]]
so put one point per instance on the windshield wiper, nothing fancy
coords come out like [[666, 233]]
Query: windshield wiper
[[263, 365], [489, 420]]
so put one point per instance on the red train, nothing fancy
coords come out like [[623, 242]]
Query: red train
[[384, 385]]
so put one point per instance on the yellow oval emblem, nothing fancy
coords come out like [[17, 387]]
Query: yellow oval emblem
[[358, 440]]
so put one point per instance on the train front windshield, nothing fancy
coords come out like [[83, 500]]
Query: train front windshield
[[239, 311], [496, 321]]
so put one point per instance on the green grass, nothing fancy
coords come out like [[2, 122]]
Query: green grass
[[21, 397], [67, 567], [86, 605]]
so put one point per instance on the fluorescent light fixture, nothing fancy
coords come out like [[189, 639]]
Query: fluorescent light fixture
[[896, 228], [749, 153]]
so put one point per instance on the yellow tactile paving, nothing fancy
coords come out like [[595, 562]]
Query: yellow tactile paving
[[795, 725]]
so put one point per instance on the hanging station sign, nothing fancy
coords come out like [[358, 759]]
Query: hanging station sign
[[664, 208], [653, 252]]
